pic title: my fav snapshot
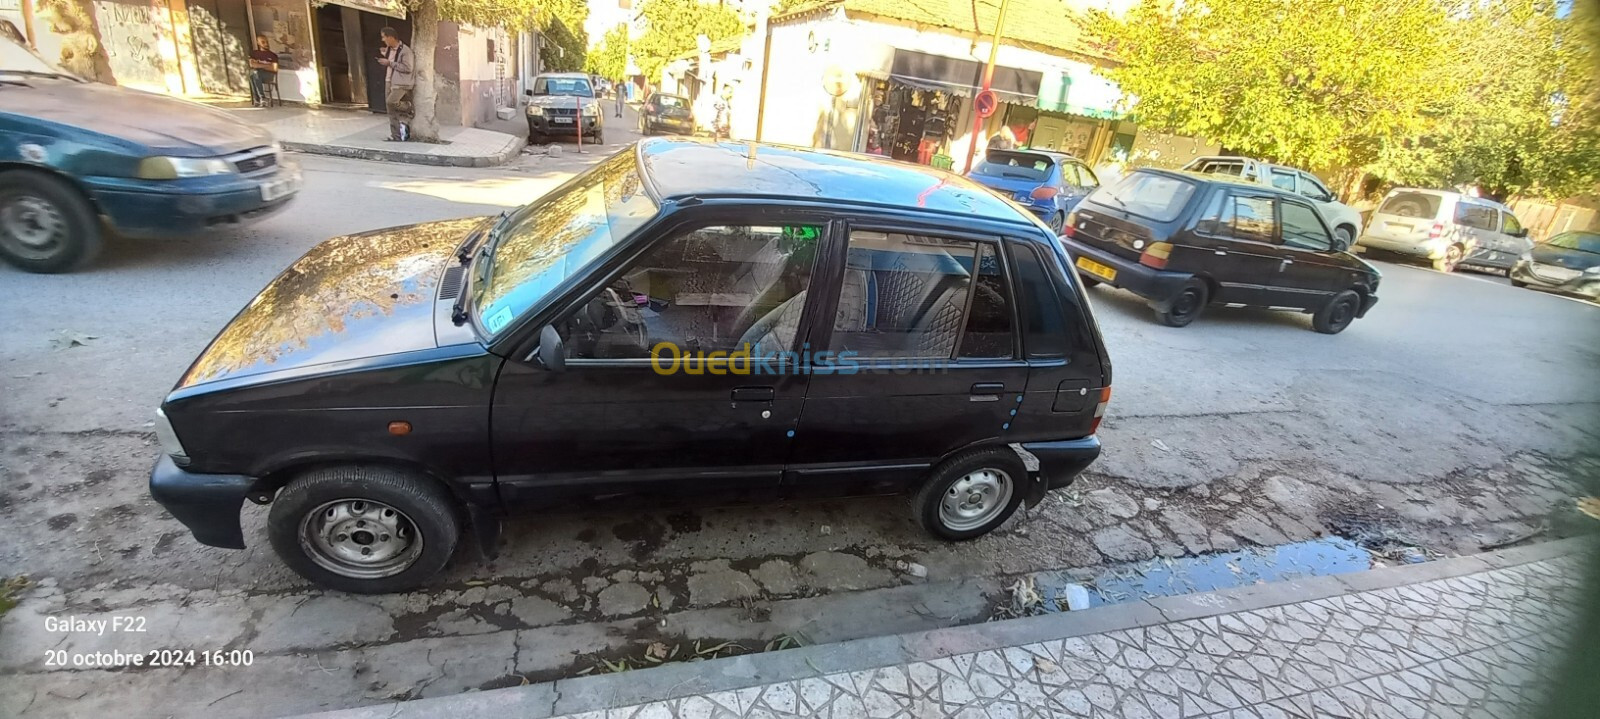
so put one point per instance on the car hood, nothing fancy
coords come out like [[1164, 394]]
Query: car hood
[[350, 298], [560, 101], [163, 125]]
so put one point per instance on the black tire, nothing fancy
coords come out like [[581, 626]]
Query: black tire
[[1187, 305], [1346, 236], [1337, 314], [1516, 282], [423, 506], [46, 224], [599, 138], [943, 481], [1087, 280], [1057, 222], [1452, 258]]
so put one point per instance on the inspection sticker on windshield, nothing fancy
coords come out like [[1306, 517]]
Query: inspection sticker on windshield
[[498, 320]]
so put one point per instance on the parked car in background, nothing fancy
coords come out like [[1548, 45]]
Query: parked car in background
[[1344, 219], [1184, 241], [564, 103], [1447, 228], [654, 325], [662, 111], [1568, 263], [1048, 183], [79, 159]]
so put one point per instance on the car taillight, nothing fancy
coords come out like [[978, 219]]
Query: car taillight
[[1069, 226], [1044, 192], [1436, 231], [1100, 409], [1156, 255]]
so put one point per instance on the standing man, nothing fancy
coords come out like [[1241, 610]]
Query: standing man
[[398, 83], [263, 71], [617, 88]]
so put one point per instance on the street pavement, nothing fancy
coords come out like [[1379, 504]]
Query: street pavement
[[1452, 419]]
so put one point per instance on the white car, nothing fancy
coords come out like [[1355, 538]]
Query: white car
[[1344, 219], [1448, 229]]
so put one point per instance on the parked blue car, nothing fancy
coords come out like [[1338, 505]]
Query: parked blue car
[[80, 160], [1048, 183]]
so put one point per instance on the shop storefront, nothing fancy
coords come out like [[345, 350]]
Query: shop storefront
[[917, 110], [327, 51]]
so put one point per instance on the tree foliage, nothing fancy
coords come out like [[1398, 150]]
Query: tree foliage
[[610, 57], [565, 32], [671, 27], [1428, 92]]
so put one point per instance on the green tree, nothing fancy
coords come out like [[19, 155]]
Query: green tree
[[671, 27], [567, 34], [513, 15], [610, 57], [1314, 83]]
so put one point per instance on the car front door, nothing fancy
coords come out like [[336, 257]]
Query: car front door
[[1477, 224], [926, 358], [1234, 244], [653, 386], [1511, 241], [1307, 273]]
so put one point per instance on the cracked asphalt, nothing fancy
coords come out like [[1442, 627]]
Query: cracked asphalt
[[1452, 416]]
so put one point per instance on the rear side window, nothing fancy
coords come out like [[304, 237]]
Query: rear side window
[[914, 296], [1412, 204], [1156, 197], [1477, 217], [1223, 167], [1044, 329], [1241, 217], [988, 328]]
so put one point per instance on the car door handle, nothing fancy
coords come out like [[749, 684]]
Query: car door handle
[[987, 391], [1288, 260], [754, 394]]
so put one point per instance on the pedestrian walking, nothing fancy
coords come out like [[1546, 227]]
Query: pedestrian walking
[[617, 88], [399, 83], [722, 117]]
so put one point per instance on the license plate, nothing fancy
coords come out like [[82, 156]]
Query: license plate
[[279, 189], [1098, 270], [562, 120]]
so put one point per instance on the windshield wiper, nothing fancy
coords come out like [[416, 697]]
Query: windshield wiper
[[465, 253], [479, 257]]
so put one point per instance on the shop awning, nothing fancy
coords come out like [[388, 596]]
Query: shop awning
[[963, 77], [392, 8]]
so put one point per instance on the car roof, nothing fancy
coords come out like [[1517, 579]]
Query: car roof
[[565, 75], [678, 168], [1457, 194], [1211, 179]]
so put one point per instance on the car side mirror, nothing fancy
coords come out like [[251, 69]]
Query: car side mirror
[[528, 93], [552, 355]]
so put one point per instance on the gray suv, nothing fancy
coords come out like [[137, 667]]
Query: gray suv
[[564, 103]]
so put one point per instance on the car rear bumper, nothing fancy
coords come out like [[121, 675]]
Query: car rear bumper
[[685, 127], [1429, 249], [1059, 463], [1158, 286], [208, 504]]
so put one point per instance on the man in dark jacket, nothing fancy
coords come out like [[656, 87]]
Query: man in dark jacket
[[399, 82]]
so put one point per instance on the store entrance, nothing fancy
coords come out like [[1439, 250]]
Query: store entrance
[[913, 124]]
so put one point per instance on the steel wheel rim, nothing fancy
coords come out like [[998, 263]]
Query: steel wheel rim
[[360, 538], [1452, 256], [1342, 313], [975, 499], [32, 226], [1186, 303]]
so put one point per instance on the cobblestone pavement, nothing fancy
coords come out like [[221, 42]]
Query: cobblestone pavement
[[1466, 646]]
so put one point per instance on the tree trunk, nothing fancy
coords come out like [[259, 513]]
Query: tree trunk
[[424, 40]]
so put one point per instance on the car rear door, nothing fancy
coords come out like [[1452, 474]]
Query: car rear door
[[1306, 273], [925, 357], [1233, 242]]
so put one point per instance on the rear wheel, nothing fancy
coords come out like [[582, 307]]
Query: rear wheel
[[1452, 258], [1347, 237], [46, 225], [1337, 314], [970, 494], [1058, 222], [367, 530], [1187, 306]]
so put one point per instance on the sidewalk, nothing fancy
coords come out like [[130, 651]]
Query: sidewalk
[[1470, 636], [360, 134]]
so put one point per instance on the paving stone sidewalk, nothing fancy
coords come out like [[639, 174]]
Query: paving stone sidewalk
[[1467, 637], [360, 134]]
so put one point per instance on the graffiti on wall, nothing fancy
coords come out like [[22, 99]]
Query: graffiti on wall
[[138, 38]]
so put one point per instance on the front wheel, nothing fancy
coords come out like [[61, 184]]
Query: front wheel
[[366, 530], [1187, 306], [971, 494], [1337, 314], [46, 225], [1452, 257]]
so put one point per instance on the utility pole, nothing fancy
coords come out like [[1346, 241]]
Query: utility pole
[[988, 79]]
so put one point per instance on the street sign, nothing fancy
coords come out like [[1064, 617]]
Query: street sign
[[985, 103]]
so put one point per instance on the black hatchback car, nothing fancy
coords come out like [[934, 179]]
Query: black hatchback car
[[686, 316], [1184, 241]]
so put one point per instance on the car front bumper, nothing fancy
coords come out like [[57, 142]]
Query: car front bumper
[[1583, 285], [208, 504], [1157, 286], [545, 125], [155, 209]]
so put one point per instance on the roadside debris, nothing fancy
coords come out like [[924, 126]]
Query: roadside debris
[[67, 339], [912, 568]]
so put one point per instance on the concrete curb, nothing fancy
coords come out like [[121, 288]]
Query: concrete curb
[[505, 155], [585, 694]]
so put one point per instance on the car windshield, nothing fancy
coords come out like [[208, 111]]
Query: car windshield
[[575, 86], [1015, 165], [559, 234], [19, 60], [671, 101], [1157, 197], [1580, 241], [1411, 204]]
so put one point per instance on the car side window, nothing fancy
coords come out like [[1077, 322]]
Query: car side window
[[1302, 228], [1089, 181], [906, 296], [1509, 223], [1479, 217], [707, 290], [1283, 180], [1044, 327], [1313, 188]]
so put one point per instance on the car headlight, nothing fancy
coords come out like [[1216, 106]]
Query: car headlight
[[169, 438], [172, 168], [535, 111], [1592, 271], [591, 110]]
